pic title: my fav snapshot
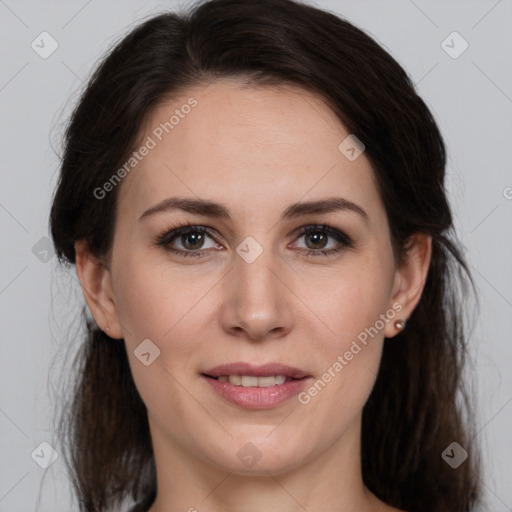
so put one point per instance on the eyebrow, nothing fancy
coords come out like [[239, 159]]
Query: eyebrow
[[217, 210]]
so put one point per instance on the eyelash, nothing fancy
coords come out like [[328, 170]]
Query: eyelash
[[164, 240]]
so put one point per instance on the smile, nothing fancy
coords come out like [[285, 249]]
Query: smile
[[255, 387]]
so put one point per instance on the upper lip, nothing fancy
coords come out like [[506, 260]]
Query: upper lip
[[242, 368]]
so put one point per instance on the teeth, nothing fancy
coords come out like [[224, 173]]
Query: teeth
[[266, 382], [248, 381], [235, 379]]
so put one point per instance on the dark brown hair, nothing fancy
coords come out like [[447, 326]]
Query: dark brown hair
[[419, 404]]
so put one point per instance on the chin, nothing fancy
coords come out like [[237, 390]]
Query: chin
[[259, 455]]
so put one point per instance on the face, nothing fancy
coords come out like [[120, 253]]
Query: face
[[256, 279]]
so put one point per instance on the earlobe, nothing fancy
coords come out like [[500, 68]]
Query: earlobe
[[95, 280], [410, 280]]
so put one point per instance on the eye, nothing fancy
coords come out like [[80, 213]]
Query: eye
[[322, 240], [188, 241]]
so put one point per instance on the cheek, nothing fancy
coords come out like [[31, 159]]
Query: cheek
[[349, 300], [168, 309], [351, 350], [152, 299], [352, 312], [349, 359], [165, 308]]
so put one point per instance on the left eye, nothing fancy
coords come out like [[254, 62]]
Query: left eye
[[318, 239]]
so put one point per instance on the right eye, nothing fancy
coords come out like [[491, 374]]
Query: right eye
[[191, 238]]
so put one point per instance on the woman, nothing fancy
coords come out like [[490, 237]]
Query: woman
[[253, 196]]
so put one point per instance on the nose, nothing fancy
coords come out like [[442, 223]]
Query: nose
[[257, 301]]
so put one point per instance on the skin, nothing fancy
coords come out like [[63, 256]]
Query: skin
[[257, 150]]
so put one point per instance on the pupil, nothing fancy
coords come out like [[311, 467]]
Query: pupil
[[318, 238], [194, 238]]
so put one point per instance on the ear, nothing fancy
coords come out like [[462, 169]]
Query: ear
[[96, 285], [410, 279]]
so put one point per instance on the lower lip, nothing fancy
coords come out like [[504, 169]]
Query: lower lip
[[254, 397]]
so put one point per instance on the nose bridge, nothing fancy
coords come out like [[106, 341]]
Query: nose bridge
[[252, 271], [252, 267], [257, 302]]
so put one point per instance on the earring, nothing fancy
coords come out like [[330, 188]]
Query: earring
[[108, 328], [400, 324]]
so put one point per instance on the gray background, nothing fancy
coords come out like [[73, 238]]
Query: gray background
[[471, 97]]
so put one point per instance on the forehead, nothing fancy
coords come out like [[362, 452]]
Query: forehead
[[248, 145]]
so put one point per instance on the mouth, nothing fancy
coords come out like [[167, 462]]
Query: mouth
[[249, 375], [256, 387], [252, 381]]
